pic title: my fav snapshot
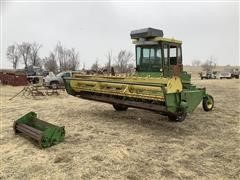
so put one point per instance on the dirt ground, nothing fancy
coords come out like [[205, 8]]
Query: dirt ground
[[101, 143]]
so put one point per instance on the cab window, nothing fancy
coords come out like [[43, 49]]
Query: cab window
[[146, 53], [165, 51], [149, 58], [173, 55], [179, 55], [138, 55], [159, 55], [152, 53]]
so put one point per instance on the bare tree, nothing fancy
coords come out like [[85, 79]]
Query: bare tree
[[109, 57], [73, 61], [13, 55], [196, 62], [34, 58], [25, 50], [123, 60], [210, 64], [59, 54], [68, 59], [50, 63], [95, 66], [84, 66], [65, 57]]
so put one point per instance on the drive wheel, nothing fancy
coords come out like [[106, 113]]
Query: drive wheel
[[179, 117], [208, 103], [120, 107]]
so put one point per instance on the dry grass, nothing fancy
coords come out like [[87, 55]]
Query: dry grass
[[104, 144]]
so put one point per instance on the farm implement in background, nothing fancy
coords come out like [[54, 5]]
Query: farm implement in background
[[38, 86], [37, 91], [159, 84], [208, 75], [42, 132], [226, 74], [230, 74]]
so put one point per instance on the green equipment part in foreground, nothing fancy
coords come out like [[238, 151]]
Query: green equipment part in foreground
[[44, 133], [159, 84]]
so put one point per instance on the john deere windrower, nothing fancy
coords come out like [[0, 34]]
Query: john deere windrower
[[44, 133], [159, 84]]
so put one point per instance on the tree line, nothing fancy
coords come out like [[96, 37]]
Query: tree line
[[122, 63], [64, 59], [24, 52], [59, 59], [208, 65]]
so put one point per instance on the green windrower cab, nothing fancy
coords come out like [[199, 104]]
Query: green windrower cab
[[44, 133], [159, 84]]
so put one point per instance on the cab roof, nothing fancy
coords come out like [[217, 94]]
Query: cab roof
[[150, 36], [156, 40]]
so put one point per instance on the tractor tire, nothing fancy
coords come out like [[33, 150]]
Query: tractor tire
[[208, 103], [180, 117], [120, 107]]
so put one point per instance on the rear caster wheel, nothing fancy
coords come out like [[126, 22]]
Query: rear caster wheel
[[120, 107], [179, 117], [208, 103]]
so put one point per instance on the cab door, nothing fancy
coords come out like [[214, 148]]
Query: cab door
[[172, 59]]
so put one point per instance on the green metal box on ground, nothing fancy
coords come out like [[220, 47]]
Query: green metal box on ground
[[44, 133]]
